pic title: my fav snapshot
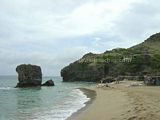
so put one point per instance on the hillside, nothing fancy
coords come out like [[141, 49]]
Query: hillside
[[142, 59]]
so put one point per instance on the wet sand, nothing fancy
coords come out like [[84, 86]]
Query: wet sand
[[90, 94], [123, 102]]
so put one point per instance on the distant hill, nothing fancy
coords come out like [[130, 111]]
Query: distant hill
[[139, 60]]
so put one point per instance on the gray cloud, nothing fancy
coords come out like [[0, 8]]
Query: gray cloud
[[54, 33], [139, 22]]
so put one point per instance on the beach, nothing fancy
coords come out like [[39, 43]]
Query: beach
[[123, 101]]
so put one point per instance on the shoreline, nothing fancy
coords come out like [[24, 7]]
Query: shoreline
[[91, 94], [128, 100], [109, 104]]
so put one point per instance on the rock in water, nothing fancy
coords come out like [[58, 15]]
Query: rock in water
[[29, 75], [48, 83]]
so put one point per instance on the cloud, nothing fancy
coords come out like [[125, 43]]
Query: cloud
[[139, 22], [93, 17], [55, 33], [38, 20]]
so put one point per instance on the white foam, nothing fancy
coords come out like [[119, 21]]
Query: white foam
[[5, 88], [71, 104]]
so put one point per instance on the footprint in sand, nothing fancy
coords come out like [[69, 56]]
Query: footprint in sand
[[132, 118], [142, 118], [129, 111]]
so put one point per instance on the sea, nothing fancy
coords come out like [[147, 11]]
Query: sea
[[40, 103]]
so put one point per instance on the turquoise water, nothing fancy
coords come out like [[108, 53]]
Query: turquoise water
[[45, 103]]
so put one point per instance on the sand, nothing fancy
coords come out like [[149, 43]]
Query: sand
[[123, 102]]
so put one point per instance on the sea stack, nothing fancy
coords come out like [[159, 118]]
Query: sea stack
[[29, 75], [49, 83]]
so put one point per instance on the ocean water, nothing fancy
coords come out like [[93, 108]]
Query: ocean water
[[45, 103]]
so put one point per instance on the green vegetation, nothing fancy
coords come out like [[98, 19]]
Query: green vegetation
[[142, 59]]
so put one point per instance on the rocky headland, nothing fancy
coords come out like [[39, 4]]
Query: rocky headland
[[135, 62]]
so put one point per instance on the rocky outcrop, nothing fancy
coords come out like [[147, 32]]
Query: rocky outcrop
[[108, 80], [29, 75], [136, 78], [49, 83], [152, 80]]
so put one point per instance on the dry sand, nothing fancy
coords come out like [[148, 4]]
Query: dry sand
[[123, 103]]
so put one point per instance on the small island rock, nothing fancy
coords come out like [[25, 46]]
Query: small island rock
[[49, 83]]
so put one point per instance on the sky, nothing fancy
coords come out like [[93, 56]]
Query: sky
[[55, 33]]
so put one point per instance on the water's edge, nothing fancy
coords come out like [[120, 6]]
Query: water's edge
[[47, 103], [90, 94]]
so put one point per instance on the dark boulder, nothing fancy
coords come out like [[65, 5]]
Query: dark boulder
[[108, 79], [152, 80], [49, 83], [29, 75]]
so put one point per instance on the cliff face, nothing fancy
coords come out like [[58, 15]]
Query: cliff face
[[138, 60], [82, 72]]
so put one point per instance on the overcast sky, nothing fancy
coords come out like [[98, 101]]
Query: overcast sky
[[54, 33]]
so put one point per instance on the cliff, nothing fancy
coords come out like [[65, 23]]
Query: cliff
[[139, 60]]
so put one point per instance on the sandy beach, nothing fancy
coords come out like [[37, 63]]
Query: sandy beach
[[123, 102]]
